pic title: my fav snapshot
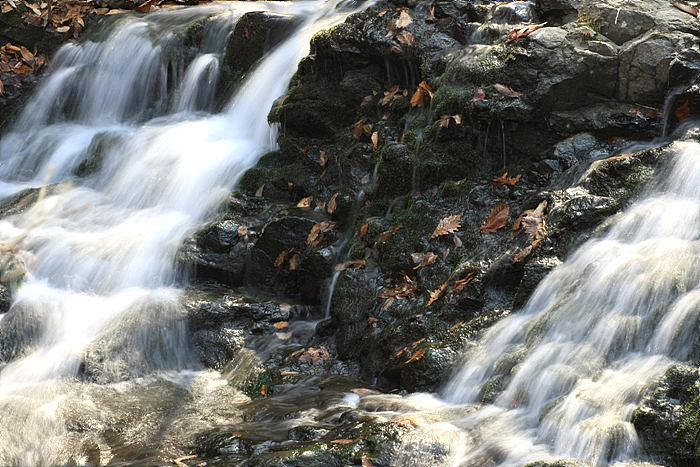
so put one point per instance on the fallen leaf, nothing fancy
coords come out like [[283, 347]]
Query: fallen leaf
[[314, 356], [449, 224], [479, 95], [2, 88], [322, 158], [385, 236], [367, 128], [519, 33], [655, 113], [416, 356], [394, 93], [363, 229], [179, 460], [401, 292], [498, 218], [282, 257], [365, 180], [525, 252], [506, 91], [462, 283], [366, 100], [373, 321], [444, 121], [683, 112], [504, 180], [366, 462], [345, 441], [357, 128], [283, 336], [288, 373], [242, 230], [431, 15], [63, 29], [427, 259], [263, 390], [260, 190], [395, 48], [404, 19], [27, 56], [332, 206], [436, 294], [456, 326], [419, 96], [305, 202], [318, 229], [365, 392], [6, 8], [405, 37], [306, 149], [687, 8], [294, 262], [323, 174], [22, 69], [375, 140], [406, 422], [281, 324], [387, 303], [457, 241], [356, 264], [534, 226]]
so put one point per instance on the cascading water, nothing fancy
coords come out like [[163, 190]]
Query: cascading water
[[103, 251]]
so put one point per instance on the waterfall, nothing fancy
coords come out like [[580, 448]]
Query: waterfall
[[130, 107]]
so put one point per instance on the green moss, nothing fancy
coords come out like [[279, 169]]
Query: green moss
[[265, 379]]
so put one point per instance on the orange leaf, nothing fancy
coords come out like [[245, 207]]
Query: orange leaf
[[416, 356], [525, 252], [385, 236], [449, 224], [687, 8], [322, 158], [332, 206], [406, 423], [2, 88], [462, 283], [401, 291], [504, 180], [434, 295], [263, 390], [363, 229], [683, 112], [281, 324], [366, 462], [305, 202], [498, 218]]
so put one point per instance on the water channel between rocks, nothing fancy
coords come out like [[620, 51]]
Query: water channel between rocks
[[565, 373]]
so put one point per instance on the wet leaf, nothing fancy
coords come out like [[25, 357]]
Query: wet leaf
[[444, 121], [525, 252], [687, 8], [305, 202], [63, 29], [462, 283], [314, 356], [419, 96], [405, 37], [534, 225], [332, 206], [294, 262], [375, 140], [406, 422], [394, 93], [504, 180], [404, 19], [282, 257], [263, 390], [363, 229], [431, 15], [456, 326], [447, 225], [365, 392], [319, 229], [357, 128], [385, 236], [366, 462], [242, 230], [416, 356], [506, 91], [436, 294], [423, 260], [401, 292], [260, 190], [322, 158], [387, 303], [683, 112], [457, 241], [498, 218], [367, 128], [345, 441], [356, 264], [2, 88], [22, 69], [281, 324], [519, 33], [479, 95], [655, 113]]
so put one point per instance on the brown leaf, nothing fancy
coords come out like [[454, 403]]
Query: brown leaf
[[5, 68], [367, 129], [365, 392], [419, 96], [479, 95], [6, 8], [332, 206], [306, 149], [323, 174], [436, 294], [457, 241], [525, 252], [394, 93], [294, 262], [357, 128], [683, 112], [416, 356], [504, 180], [366, 100], [373, 321], [2, 88], [456, 326], [305, 202], [281, 324], [427, 259], [263, 390], [406, 422], [345, 441], [366, 462], [387, 303], [462, 283], [401, 291], [405, 37], [357, 264], [27, 56], [444, 121], [385, 236], [449, 224], [498, 218], [314, 356], [687, 8], [363, 229], [282, 257], [534, 225], [519, 33], [404, 19], [431, 15], [375, 140], [395, 48], [64, 29], [322, 158], [318, 229], [242, 230], [506, 91], [22, 69], [260, 190]]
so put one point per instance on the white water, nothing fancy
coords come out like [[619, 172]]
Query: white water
[[102, 279]]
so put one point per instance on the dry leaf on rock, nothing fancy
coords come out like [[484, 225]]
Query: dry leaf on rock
[[319, 229], [447, 225], [405, 37], [437, 293], [427, 259], [519, 33], [498, 218], [314, 356], [444, 121], [363, 229], [479, 95], [401, 292], [332, 206], [305, 202], [504, 180], [294, 262], [431, 15], [506, 91], [375, 140], [525, 252], [385, 236], [260, 190], [281, 324], [322, 158], [685, 7], [356, 264], [462, 283]]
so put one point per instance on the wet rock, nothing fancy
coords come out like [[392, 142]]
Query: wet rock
[[559, 463]]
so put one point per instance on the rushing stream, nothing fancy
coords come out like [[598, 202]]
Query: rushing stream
[[565, 373]]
